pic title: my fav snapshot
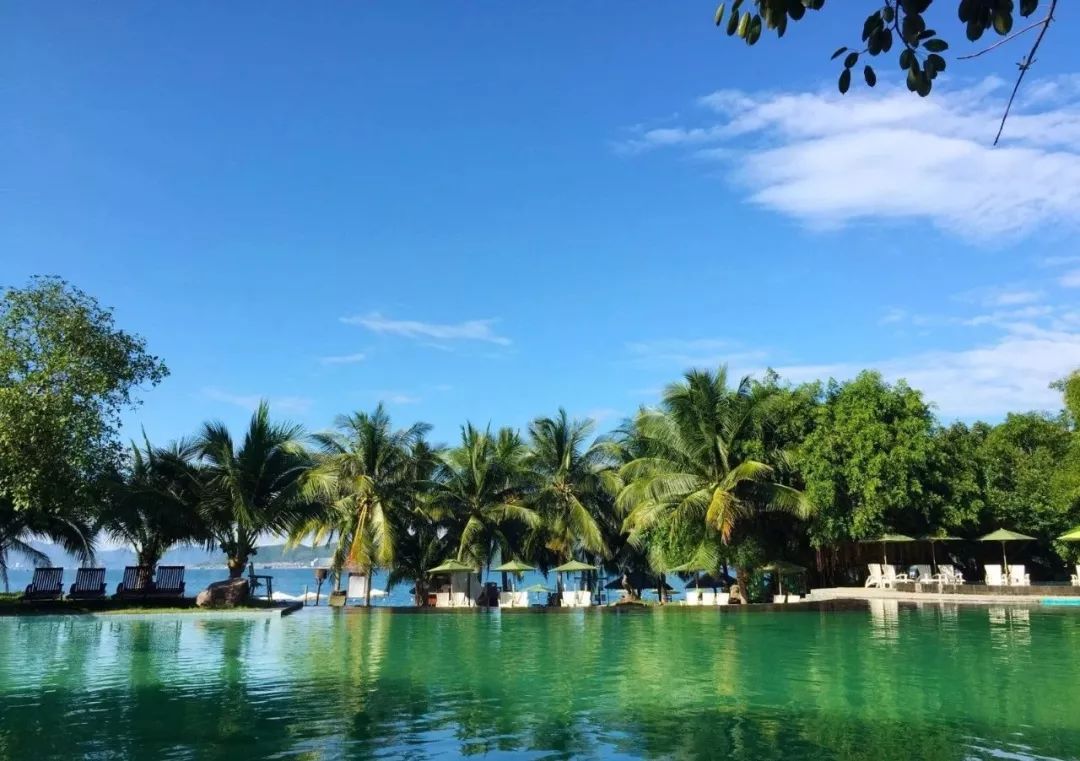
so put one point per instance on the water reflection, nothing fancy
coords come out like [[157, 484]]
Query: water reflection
[[893, 682]]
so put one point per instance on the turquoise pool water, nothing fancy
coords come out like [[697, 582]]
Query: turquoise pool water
[[892, 682]]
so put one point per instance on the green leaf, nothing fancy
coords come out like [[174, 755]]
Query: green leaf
[[1027, 7], [744, 25], [839, 52], [906, 58], [870, 76], [1003, 22], [733, 22], [845, 81], [719, 14], [936, 46], [938, 61], [851, 60]]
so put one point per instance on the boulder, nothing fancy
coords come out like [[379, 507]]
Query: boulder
[[224, 594]]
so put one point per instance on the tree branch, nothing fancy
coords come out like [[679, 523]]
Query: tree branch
[[1026, 64], [1001, 42]]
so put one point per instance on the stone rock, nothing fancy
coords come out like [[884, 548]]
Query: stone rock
[[224, 594]]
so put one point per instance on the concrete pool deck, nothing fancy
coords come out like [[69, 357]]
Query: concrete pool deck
[[976, 594]]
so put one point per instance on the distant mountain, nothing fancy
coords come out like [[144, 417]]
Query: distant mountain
[[187, 556]]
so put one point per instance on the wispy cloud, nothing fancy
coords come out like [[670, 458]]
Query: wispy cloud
[[694, 352], [469, 330], [298, 404], [1012, 373], [343, 359], [829, 160], [1070, 279]]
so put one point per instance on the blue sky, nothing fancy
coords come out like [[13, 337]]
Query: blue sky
[[485, 211]]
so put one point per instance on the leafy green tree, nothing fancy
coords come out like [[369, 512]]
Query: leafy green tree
[[479, 490], [1027, 486], [870, 461], [362, 477], [569, 494], [253, 489], [690, 477], [66, 374], [154, 502]]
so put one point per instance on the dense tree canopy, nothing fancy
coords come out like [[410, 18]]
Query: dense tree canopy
[[66, 374]]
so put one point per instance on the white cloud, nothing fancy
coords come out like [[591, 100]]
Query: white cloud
[[893, 315], [470, 330], [1058, 261], [829, 160], [695, 352], [1011, 374], [298, 404], [343, 359], [398, 397], [601, 414], [1070, 279], [1014, 298]]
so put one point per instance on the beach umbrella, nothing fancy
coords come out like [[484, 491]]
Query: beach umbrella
[[639, 580], [573, 566], [539, 589], [780, 568], [1004, 535], [453, 565], [512, 566], [1072, 536], [934, 539], [887, 539]]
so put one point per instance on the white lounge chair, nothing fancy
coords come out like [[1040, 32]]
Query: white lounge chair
[[947, 574], [891, 576], [506, 599], [994, 577], [1018, 577], [923, 573], [723, 598], [875, 579], [1076, 579], [693, 597], [708, 597], [460, 600], [442, 599]]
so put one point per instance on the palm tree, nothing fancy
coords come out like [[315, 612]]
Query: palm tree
[[480, 489], [17, 527], [154, 503], [690, 482], [569, 492], [253, 489], [361, 478]]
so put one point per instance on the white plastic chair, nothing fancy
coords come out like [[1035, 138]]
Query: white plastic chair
[[442, 599], [875, 578], [947, 574], [1018, 577], [924, 573], [708, 597], [460, 600], [723, 598], [993, 576], [693, 597], [506, 599], [1076, 579], [890, 575]]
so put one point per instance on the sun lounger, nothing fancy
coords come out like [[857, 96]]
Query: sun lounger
[[442, 599], [47, 584], [693, 597], [138, 581], [994, 577], [459, 600], [168, 581], [723, 598], [89, 584], [708, 597], [875, 579], [1018, 577], [891, 576], [947, 574], [923, 573], [1076, 579]]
